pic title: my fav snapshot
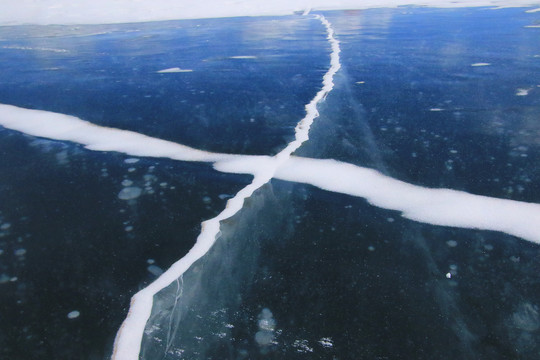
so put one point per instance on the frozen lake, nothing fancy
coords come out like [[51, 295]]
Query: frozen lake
[[328, 259]]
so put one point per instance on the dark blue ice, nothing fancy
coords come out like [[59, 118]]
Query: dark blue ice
[[299, 273]]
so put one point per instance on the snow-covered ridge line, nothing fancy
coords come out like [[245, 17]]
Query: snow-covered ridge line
[[129, 337], [46, 12], [432, 206]]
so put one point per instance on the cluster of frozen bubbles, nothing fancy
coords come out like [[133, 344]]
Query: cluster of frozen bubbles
[[4, 231], [267, 325], [129, 192], [20, 254]]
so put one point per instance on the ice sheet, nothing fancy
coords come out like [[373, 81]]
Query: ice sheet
[[434, 206]]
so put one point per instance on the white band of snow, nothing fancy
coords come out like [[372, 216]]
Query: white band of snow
[[94, 137], [433, 206], [46, 12]]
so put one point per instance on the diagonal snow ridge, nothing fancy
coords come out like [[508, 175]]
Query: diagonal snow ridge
[[129, 337]]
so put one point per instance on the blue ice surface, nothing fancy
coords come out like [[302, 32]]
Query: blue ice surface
[[225, 105], [413, 61], [341, 278]]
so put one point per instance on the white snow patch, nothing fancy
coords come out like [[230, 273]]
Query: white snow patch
[[302, 346], [243, 57], [522, 92], [16, 47], [480, 64], [326, 342], [174, 70]]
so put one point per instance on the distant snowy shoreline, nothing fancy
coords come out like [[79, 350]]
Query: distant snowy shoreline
[[48, 12]]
